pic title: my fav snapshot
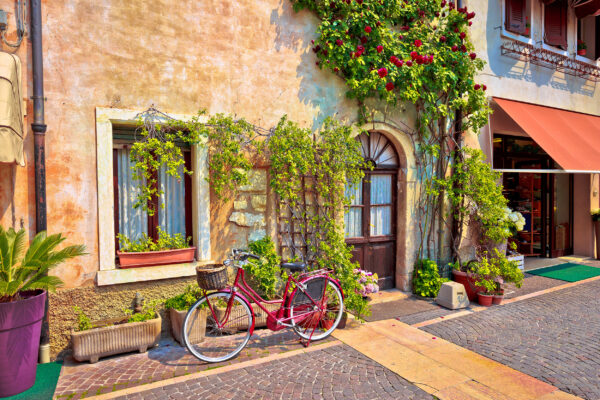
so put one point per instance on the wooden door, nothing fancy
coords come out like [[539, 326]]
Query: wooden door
[[370, 219]]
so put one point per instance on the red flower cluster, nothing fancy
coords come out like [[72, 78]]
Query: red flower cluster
[[368, 29], [454, 48], [379, 49], [418, 43], [363, 39], [442, 38], [463, 35], [339, 42], [382, 72]]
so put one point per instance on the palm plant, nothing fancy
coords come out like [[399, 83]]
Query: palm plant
[[24, 269]]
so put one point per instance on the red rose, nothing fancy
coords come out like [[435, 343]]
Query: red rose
[[400, 37], [378, 23], [312, 41], [455, 30], [317, 63], [471, 15], [421, 13], [394, 60], [473, 56], [443, 4], [414, 55], [418, 43], [476, 87], [420, 59], [409, 63], [360, 49], [336, 69], [379, 49], [463, 35], [454, 48], [442, 38], [437, 14], [470, 23], [316, 48], [363, 39], [400, 63], [339, 42], [382, 72], [484, 88], [359, 1], [389, 86], [368, 29], [463, 48]]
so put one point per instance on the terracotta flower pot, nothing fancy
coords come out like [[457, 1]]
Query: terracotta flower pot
[[581, 52], [467, 281], [498, 297], [152, 258], [343, 321], [485, 299], [198, 328], [20, 327]]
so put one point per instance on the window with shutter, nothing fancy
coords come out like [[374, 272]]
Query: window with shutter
[[516, 16], [555, 24]]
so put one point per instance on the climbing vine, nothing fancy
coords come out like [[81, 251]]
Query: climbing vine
[[409, 51]]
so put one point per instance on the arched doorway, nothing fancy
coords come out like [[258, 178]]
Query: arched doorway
[[371, 218]]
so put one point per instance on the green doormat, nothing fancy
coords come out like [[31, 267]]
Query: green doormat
[[46, 377], [568, 272]]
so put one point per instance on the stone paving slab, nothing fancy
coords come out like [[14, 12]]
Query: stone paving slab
[[334, 372], [81, 380], [439, 367], [554, 337]]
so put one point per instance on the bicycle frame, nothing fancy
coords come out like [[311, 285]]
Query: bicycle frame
[[281, 317]]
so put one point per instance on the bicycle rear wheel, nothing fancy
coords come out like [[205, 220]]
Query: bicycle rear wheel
[[310, 322], [225, 332]]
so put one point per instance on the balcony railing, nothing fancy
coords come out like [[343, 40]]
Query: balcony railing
[[549, 59]]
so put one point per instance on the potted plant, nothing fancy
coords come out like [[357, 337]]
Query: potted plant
[[426, 278], [178, 307], [581, 48], [464, 274], [596, 220], [486, 281], [144, 252], [527, 26], [129, 332], [367, 282], [23, 288]]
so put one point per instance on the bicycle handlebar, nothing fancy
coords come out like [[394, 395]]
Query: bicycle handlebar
[[244, 255]]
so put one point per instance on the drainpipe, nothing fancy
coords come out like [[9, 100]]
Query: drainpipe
[[39, 139]]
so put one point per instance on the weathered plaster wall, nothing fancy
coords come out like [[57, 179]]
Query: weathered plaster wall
[[512, 79]]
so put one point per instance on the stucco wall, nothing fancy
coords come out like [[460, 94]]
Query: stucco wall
[[517, 80]]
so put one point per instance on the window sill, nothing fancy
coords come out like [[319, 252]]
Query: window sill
[[586, 60], [117, 276], [515, 36]]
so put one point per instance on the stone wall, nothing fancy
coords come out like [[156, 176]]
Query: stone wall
[[250, 209]]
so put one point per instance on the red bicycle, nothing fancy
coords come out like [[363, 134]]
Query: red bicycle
[[219, 325]]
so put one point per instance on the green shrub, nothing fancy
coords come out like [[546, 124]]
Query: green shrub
[[185, 300], [265, 275], [426, 278], [83, 321], [146, 243], [149, 311]]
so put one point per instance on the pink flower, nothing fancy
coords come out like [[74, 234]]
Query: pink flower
[[368, 29], [382, 72], [379, 49], [418, 43]]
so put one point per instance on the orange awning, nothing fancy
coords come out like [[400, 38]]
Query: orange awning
[[572, 139]]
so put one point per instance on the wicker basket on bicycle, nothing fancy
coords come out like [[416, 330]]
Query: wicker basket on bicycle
[[211, 276]]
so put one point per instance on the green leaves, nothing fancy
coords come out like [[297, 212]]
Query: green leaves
[[426, 278], [22, 269]]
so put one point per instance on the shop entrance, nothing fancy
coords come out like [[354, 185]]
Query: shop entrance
[[544, 199]]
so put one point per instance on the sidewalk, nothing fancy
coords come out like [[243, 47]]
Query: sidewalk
[[443, 369]]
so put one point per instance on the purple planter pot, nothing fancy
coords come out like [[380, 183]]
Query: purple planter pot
[[20, 326]]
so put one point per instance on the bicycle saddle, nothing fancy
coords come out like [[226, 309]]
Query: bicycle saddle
[[294, 266]]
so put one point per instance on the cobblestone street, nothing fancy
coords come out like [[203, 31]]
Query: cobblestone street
[[337, 372], [554, 337]]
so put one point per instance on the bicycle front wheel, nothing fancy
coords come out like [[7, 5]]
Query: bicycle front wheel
[[220, 334], [310, 323]]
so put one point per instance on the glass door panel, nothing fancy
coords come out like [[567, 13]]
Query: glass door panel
[[381, 205], [354, 214]]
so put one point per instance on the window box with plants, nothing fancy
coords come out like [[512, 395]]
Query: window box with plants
[[131, 332], [178, 307], [24, 283], [145, 252]]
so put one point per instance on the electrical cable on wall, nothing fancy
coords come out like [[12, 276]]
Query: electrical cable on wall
[[21, 18]]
